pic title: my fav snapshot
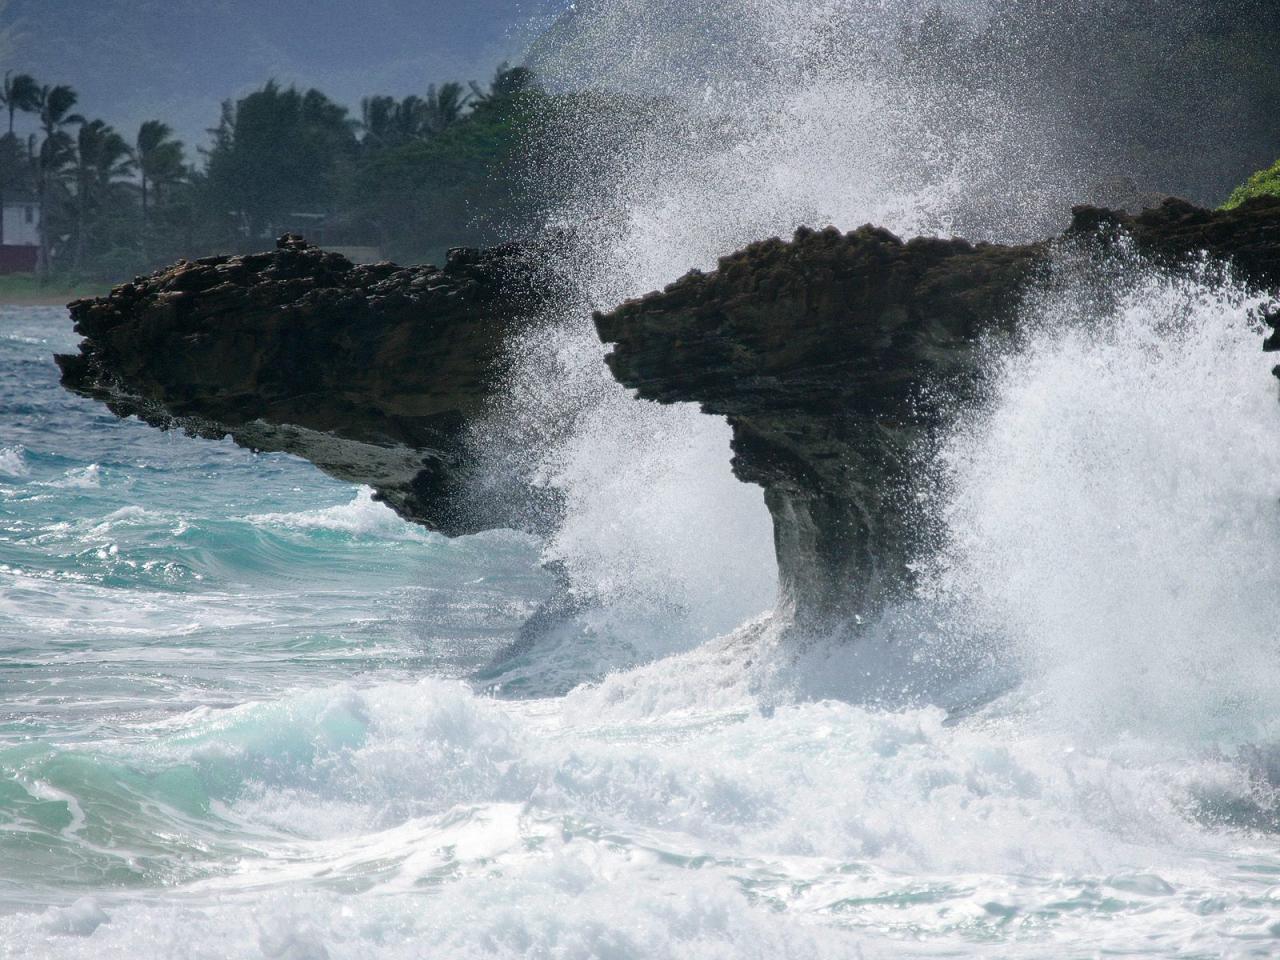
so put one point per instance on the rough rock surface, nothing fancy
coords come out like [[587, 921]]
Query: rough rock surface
[[371, 372], [831, 355]]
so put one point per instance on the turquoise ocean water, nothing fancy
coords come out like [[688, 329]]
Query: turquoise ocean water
[[245, 712]]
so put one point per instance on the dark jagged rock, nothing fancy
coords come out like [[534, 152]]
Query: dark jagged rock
[[370, 372], [832, 354]]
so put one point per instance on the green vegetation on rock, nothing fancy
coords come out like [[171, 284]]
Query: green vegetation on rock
[[1264, 183]]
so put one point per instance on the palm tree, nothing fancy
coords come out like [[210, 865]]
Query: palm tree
[[444, 107], [15, 166], [16, 93], [102, 158], [50, 159], [53, 107], [159, 160], [389, 123], [19, 92], [508, 81], [378, 119], [410, 119]]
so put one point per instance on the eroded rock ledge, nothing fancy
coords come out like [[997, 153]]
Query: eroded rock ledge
[[370, 372], [831, 355]]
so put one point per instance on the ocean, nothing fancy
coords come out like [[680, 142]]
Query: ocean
[[245, 711]]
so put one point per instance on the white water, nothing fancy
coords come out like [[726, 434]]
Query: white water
[[1114, 513], [769, 115], [210, 790]]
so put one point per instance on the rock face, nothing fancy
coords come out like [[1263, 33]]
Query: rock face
[[371, 372], [833, 354]]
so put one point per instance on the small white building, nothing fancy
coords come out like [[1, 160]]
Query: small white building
[[20, 222]]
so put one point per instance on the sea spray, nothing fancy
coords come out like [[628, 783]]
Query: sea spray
[[1114, 507], [749, 120]]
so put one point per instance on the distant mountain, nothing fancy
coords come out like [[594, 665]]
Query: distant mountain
[[176, 60]]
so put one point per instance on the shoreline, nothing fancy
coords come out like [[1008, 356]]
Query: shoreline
[[23, 292], [52, 300], [28, 290]]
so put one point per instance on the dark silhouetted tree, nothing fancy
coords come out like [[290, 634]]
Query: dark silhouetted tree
[[54, 155], [277, 152], [445, 106], [159, 159], [18, 93], [102, 160]]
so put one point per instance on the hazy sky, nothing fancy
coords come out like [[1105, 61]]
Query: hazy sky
[[176, 60]]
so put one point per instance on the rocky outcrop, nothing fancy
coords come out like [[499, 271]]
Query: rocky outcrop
[[371, 372], [833, 355]]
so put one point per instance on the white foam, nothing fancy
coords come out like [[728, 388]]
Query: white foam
[[1112, 517], [13, 461], [363, 517], [80, 919], [403, 818], [81, 478], [1114, 512]]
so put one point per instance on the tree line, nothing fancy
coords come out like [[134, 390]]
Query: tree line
[[409, 176]]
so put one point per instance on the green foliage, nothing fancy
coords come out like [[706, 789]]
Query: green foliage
[[18, 93], [387, 122], [413, 176], [102, 161], [1264, 183], [159, 158], [275, 152], [52, 105], [15, 164], [455, 187]]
